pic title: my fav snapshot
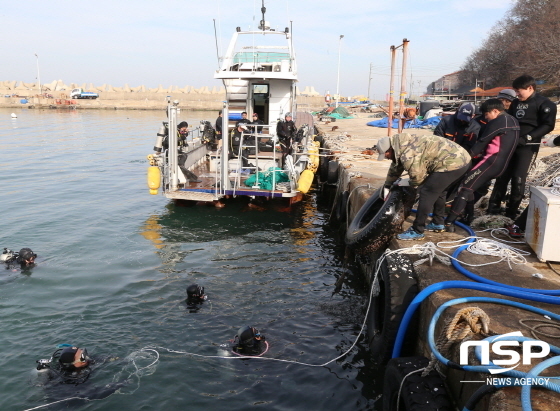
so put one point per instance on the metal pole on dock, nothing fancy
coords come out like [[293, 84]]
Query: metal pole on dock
[[391, 91], [338, 71], [39, 76], [403, 85], [173, 149]]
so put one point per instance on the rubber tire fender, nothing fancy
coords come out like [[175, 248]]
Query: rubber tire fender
[[323, 168], [341, 206], [398, 285], [332, 173], [418, 393], [377, 220]]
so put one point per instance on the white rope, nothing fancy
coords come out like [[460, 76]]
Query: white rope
[[482, 246], [555, 186], [402, 383], [243, 357]]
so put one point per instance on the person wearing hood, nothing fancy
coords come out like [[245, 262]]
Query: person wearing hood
[[493, 152], [433, 163]]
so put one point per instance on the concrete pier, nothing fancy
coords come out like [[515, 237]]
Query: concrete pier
[[349, 142]]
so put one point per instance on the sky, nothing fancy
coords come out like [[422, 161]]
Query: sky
[[173, 42]]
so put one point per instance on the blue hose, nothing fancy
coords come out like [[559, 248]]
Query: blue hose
[[425, 293], [535, 372], [483, 280]]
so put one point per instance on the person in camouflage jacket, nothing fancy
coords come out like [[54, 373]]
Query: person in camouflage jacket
[[433, 163]]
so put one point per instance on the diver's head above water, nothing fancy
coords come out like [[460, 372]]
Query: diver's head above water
[[195, 293], [248, 336], [73, 358], [26, 257]]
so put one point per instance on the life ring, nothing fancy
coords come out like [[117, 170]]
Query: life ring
[[377, 220], [418, 393], [332, 172], [398, 285]]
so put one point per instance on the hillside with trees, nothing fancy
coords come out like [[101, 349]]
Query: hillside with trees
[[527, 41]]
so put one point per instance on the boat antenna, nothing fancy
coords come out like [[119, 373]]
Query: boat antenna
[[217, 50], [263, 11]]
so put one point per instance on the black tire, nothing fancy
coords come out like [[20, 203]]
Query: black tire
[[332, 172], [418, 393], [341, 206], [323, 168], [376, 222], [398, 285], [320, 139]]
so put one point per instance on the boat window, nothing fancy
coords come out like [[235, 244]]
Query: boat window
[[260, 88], [259, 57]]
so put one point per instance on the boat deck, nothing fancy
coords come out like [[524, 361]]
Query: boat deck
[[208, 188]]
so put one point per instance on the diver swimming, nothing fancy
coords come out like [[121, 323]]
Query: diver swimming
[[249, 342], [24, 257]]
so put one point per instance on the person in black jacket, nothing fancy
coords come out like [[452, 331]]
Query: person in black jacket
[[536, 116], [455, 126], [494, 149], [286, 131], [218, 125]]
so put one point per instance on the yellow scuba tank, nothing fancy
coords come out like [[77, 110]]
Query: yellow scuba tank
[[154, 178], [305, 180]]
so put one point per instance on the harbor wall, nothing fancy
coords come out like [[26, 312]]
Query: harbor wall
[[57, 95]]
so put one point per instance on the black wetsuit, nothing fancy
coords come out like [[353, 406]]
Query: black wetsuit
[[286, 131], [61, 384], [258, 347], [536, 117], [218, 127], [462, 133], [495, 146]]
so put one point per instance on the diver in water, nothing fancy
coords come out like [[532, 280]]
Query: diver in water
[[25, 258], [66, 374], [249, 341], [195, 297]]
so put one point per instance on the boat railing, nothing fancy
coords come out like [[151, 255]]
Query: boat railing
[[251, 158]]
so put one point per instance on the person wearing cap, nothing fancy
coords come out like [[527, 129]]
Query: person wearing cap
[[506, 96], [433, 163], [286, 131], [458, 127], [537, 117], [492, 153]]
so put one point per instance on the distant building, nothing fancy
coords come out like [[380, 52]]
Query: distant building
[[444, 88]]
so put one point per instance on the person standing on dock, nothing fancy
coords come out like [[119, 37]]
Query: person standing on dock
[[433, 163], [537, 117], [492, 154]]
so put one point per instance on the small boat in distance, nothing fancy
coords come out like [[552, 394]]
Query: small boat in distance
[[259, 73]]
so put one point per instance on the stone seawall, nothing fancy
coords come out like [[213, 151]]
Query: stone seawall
[[135, 101]]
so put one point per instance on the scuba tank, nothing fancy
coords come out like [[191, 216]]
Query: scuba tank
[[161, 134], [8, 256]]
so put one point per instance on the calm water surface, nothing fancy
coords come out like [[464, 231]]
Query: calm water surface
[[114, 262]]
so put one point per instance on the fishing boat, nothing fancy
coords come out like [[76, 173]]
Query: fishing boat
[[259, 74]]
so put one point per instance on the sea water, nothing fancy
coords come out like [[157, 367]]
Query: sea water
[[114, 262]]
